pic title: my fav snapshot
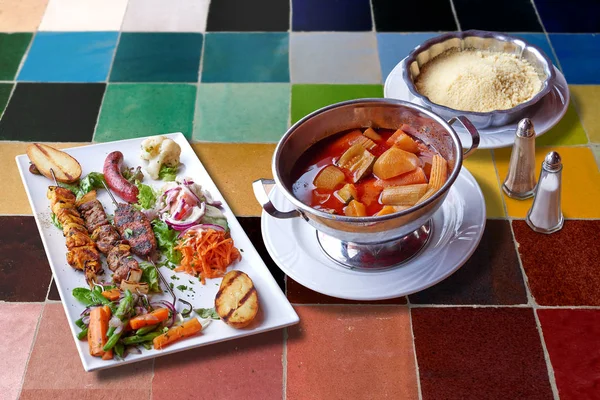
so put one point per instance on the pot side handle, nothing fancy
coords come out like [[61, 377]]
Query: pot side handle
[[262, 188], [464, 121]]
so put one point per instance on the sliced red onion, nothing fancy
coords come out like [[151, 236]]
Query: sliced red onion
[[209, 199], [139, 310], [170, 306], [132, 350], [118, 330], [115, 323], [86, 312], [181, 225], [200, 227], [86, 320]]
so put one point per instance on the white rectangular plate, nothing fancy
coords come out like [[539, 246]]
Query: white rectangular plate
[[275, 310]]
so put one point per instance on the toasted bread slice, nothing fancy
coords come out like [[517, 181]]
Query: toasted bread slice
[[66, 168], [237, 301]]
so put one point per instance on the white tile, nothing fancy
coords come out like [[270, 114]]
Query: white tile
[[334, 58], [83, 15], [166, 16]]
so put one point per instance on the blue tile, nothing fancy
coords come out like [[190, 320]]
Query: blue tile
[[246, 57], [394, 47], [579, 56], [540, 40], [69, 57], [331, 15], [573, 16]]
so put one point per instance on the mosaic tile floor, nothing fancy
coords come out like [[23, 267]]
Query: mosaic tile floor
[[519, 320]]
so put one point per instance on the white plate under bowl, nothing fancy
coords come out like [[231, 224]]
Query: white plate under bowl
[[292, 243], [276, 311], [545, 114]]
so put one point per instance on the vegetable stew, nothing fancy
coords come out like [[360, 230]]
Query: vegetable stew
[[366, 172]]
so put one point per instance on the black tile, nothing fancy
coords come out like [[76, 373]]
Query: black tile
[[248, 16], [503, 16], [491, 276], [24, 270], [394, 16], [331, 15], [53, 292], [574, 16], [52, 112], [251, 226]]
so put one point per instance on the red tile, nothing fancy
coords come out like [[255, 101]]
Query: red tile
[[573, 341], [298, 294], [55, 368], [351, 352], [475, 353], [17, 330], [84, 394], [562, 268], [247, 368]]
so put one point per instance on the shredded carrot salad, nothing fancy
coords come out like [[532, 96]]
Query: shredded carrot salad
[[206, 253]]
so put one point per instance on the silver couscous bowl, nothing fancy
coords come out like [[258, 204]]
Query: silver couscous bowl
[[479, 40]]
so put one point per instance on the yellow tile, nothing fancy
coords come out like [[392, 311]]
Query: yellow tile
[[480, 164], [587, 101], [14, 199], [567, 132], [234, 167], [580, 182], [21, 15]]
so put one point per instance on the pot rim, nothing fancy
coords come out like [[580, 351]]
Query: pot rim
[[303, 208]]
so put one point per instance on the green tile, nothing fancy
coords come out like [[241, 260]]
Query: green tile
[[136, 110], [568, 131], [12, 48], [242, 112], [5, 89], [308, 98]]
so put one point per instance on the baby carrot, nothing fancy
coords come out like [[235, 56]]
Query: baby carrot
[[188, 328], [156, 316], [97, 329], [112, 294]]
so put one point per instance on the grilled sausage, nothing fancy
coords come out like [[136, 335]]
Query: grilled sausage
[[115, 180]]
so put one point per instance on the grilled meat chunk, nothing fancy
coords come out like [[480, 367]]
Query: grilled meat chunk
[[106, 237], [56, 194], [93, 214], [116, 253], [84, 256], [72, 226], [125, 265], [76, 238], [66, 215], [135, 227]]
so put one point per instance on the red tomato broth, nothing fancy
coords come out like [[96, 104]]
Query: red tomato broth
[[327, 152]]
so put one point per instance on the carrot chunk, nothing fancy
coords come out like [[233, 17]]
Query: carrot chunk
[[112, 294], [97, 329], [155, 317], [187, 329]]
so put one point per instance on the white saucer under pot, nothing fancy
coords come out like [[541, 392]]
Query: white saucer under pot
[[545, 114], [457, 228]]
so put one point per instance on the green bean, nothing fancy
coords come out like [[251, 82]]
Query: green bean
[[140, 339], [124, 309], [119, 349], [80, 323], [83, 334], [147, 345], [112, 341], [146, 329]]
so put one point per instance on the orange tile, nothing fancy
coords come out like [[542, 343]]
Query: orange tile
[[55, 368], [481, 165], [233, 167], [21, 15], [580, 182], [17, 203], [587, 102], [247, 368], [351, 352], [17, 329]]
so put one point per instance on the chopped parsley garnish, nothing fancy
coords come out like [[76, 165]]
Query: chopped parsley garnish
[[128, 233], [207, 313], [182, 287]]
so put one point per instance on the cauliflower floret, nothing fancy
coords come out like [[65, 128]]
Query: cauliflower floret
[[151, 147], [167, 153]]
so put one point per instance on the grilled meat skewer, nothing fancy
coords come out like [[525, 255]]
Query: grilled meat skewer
[[135, 227], [82, 254]]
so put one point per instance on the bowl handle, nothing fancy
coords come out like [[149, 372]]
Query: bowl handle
[[262, 188], [464, 121]]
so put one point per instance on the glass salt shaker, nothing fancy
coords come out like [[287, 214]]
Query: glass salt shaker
[[545, 215]]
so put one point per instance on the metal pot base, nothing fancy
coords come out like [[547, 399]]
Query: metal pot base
[[375, 257]]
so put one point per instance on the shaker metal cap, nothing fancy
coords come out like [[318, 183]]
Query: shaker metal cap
[[552, 162], [525, 128]]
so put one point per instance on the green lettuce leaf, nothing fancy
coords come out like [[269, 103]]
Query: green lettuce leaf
[[167, 173], [146, 196], [166, 239], [92, 181], [150, 276], [55, 221]]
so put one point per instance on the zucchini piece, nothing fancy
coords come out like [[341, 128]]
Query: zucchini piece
[[371, 134], [365, 142], [329, 178], [358, 161], [347, 193], [395, 162], [407, 195], [355, 209]]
